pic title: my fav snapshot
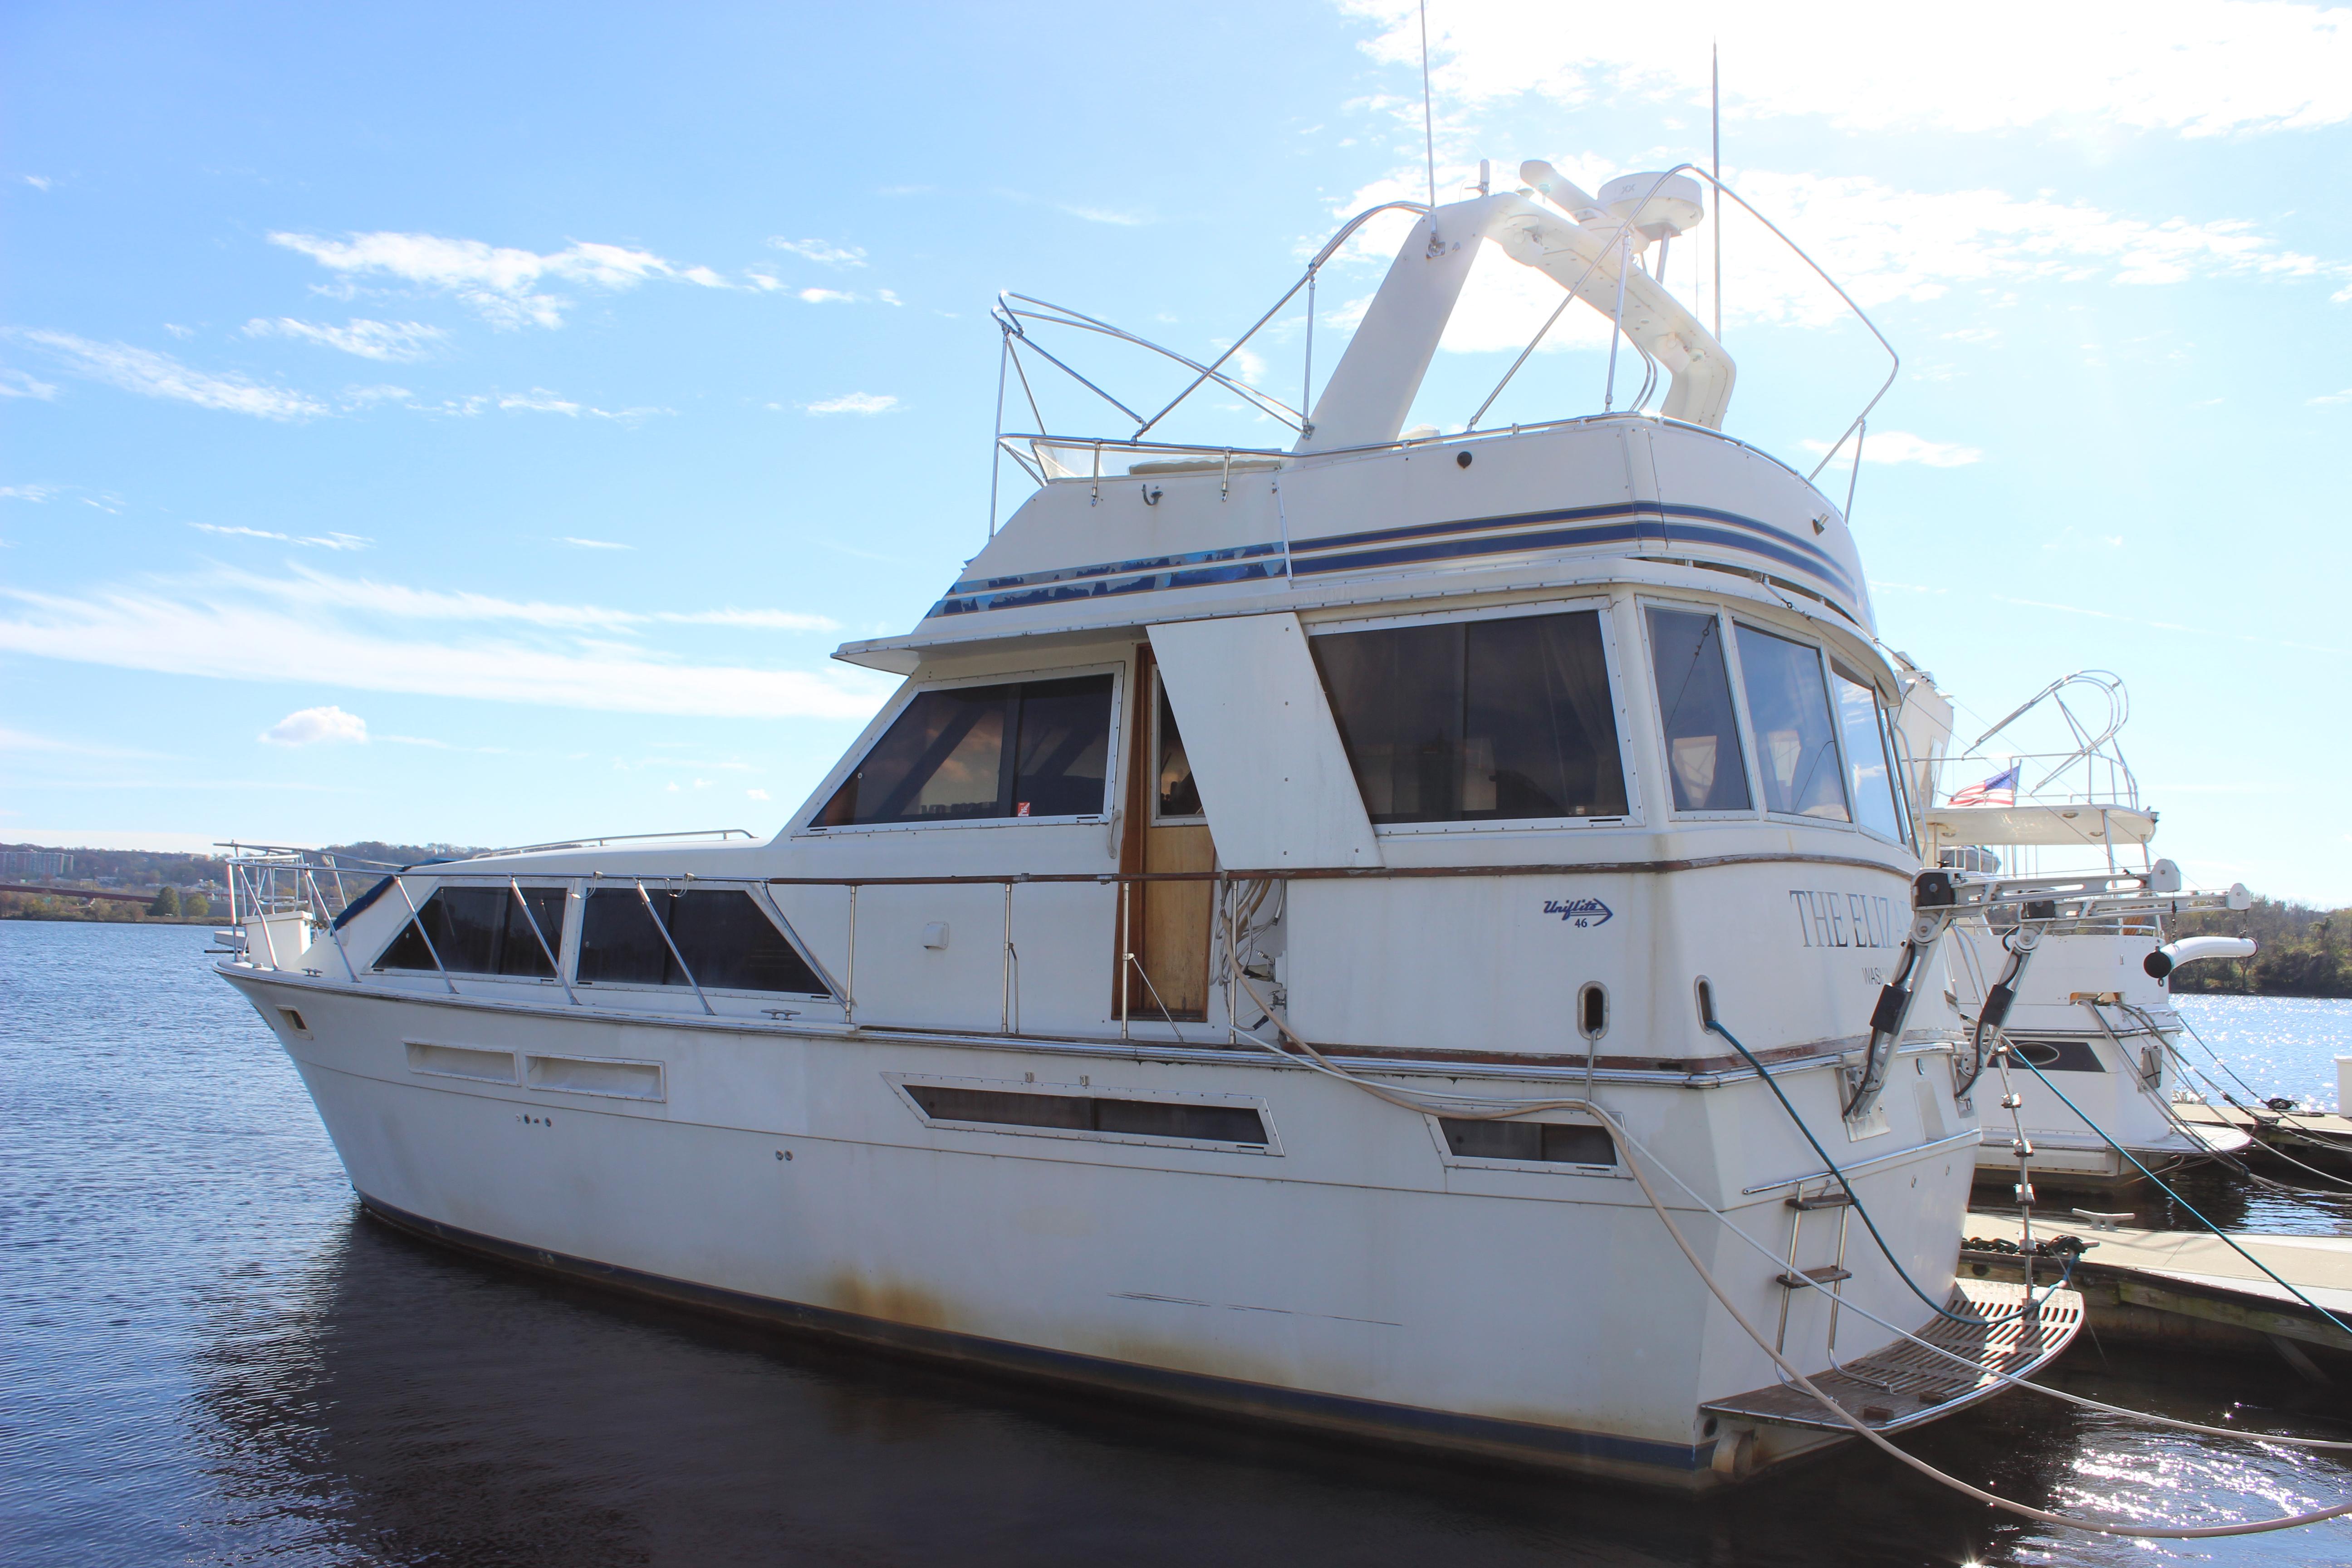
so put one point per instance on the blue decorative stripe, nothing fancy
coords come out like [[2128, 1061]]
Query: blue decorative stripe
[[1767, 540], [1617, 523], [1112, 569]]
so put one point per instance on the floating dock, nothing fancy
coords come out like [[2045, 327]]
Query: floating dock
[[2317, 1138], [2188, 1288]]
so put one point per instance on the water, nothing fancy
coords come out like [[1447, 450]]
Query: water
[[211, 1357]]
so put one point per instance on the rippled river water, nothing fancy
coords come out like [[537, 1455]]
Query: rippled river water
[[210, 1356]]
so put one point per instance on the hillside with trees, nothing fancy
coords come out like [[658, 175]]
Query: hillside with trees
[[2300, 951]]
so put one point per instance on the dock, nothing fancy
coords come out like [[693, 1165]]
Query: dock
[[2320, 1139], [2189, 1289]]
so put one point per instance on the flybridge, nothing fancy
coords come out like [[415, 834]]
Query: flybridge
[[1609, 251]]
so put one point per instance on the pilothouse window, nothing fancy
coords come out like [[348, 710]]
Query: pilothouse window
[[1796, 739], [1478, 721], [947, 756], [727, 942], [1870, 778], [1703, 756], [481, 931]]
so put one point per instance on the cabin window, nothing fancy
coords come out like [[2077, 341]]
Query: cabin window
[[481, 931], [1702, 731], [1870, 776], [1176, 796], [1545, 1141], [1186, 1120], [1478, 721], [727, 942], [1796, 738], [1033, 748]]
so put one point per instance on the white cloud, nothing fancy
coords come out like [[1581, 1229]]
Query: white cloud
[[367, 637], [388, 341], [1881, 243], [1109, 215], [539, 400], [2198, 68], [308, 726], [759, 620], [1900, 447], [30, 492], [38, 182], [152, 374], [755, 794], [330, 541], [24, 741], [595, 544], [500, 282], [827, 297], [2343, 396], [855, 403], [821, 251], [16, 383]]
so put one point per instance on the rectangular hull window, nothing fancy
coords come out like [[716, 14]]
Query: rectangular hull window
[[1796, 738], [1702, 733], [1541, 1142], [1033, 748], [1087, 1113], [481, 931], [727, 942], [1488, 721]]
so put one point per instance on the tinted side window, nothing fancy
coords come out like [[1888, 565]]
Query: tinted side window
[[481, 931], [1870, 778], [1478, 721], [1038, 747], [730, 946], [727, 942], [1179, 795], [1702, 733], [1796, 738]]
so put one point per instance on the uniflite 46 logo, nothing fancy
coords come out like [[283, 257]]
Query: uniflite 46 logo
[[1581, 913]]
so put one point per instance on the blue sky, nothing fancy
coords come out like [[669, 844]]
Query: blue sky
[[480, 424]]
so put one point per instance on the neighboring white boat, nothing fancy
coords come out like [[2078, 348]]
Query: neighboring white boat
[[1145, 998], [2093, 1008]]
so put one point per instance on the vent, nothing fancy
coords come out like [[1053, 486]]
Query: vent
[[1546, 1143], [293, 1018], [461, 1061], [1189, 1121], [593, 1075]]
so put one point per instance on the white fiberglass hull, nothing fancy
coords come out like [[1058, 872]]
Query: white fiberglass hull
[[1350, 1278]]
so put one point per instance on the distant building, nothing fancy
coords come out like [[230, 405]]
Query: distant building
[[33, 863]]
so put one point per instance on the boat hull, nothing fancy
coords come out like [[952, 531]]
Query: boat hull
[[1349, 1278]]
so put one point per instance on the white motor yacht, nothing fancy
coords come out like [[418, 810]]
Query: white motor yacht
[[2093, 1008], [1304, 941]]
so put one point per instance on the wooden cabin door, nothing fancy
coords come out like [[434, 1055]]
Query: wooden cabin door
[[1170, 922]]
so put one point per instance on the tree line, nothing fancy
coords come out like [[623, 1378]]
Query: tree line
[[2300, 951]]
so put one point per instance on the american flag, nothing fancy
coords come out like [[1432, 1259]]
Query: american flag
[[1998, 790]]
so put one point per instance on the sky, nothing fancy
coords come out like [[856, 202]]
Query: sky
[[480, 424]]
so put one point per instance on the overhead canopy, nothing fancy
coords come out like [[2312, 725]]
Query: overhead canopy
[[2067, 824]]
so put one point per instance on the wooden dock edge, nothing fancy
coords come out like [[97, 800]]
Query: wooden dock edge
[[2134, 1308]]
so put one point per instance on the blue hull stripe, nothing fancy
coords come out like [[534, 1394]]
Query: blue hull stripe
[[1622, 523]]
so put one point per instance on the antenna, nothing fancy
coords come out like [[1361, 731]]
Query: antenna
[[1715, 129], [1428, 123]]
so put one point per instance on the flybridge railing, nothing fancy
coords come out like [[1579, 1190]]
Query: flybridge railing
[[2093, 705], [1013, 313]]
